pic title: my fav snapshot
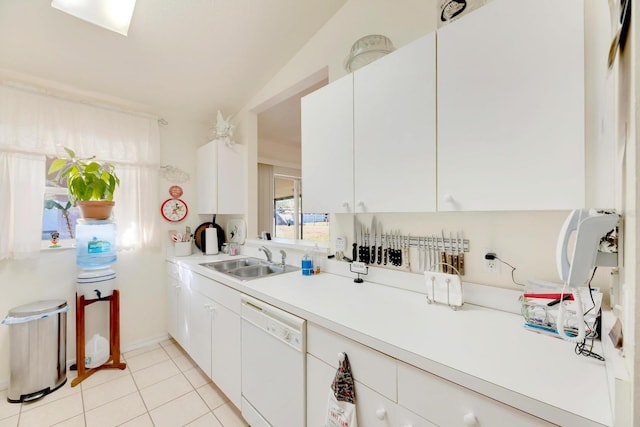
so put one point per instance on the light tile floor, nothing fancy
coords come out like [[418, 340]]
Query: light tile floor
[[161, 386]]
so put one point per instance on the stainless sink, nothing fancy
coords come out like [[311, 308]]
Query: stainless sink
[[256, 271], [231, 264], [248, 268]]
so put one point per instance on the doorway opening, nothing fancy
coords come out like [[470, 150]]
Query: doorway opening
[[280, 193]]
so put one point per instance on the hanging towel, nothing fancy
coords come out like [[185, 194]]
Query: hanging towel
[[341, 408]]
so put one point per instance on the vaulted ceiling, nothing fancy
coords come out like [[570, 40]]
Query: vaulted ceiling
[[181, 57]]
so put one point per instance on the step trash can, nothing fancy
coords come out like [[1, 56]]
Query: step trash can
[[37, 349]]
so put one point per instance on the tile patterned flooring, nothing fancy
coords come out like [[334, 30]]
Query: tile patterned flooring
[[161, 386]]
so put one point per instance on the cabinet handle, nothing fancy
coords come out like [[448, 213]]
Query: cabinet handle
[[381, 413], [345, 204], [448, 198], [470, 420]]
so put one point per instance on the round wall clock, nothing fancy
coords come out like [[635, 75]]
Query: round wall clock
[[174, 210]]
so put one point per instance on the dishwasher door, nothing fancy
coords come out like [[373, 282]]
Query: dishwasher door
[[273, 365]]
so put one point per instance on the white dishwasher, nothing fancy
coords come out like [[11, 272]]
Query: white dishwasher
[[273, 366]]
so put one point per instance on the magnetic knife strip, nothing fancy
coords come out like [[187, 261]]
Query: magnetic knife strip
[[392, 249]]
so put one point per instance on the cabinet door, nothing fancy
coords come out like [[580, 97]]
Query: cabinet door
[[327, 148], [511, 107], [232, 179], [395, 131], [372, 409], [447, 404], [178, 288], [207, 175], [173, 295], [199, 347], [225, 352]]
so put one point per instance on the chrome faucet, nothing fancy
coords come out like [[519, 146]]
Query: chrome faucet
[[266, 251], [284, 258]]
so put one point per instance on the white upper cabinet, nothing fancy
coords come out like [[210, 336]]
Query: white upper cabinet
[[511, 107], [369, 138], [327, 148], [395, 131], [221, 172]]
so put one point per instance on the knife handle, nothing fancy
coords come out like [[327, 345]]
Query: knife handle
[[373, 254], [461, 263], [443, 260], [386, 251], [354, 252], [379, 255]]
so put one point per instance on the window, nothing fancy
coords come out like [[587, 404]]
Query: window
[[289, 220], [30, 132], [58, 215]]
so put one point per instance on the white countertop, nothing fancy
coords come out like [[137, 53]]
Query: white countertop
[[485, 350]]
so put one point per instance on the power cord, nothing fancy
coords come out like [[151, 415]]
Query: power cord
[[492, 256], [581, 348]]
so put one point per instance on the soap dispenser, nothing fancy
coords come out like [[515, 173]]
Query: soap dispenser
[[307, 264]]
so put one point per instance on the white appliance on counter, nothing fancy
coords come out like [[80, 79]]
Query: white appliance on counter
[[273, 365], [592, 231]]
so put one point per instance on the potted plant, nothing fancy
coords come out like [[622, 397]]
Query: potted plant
[[90, 183]]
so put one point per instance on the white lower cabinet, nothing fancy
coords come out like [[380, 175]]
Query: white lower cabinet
[[390, 392], [375, 381], [225, 352], [173, 295], [445, 403], [372, 408], [178, 286], [204, 318], [200, 316]]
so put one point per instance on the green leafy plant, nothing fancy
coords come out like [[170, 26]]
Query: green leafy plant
[[52, 204], [87, 179]]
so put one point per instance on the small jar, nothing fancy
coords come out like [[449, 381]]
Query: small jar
[[225, 248], [233, 249]]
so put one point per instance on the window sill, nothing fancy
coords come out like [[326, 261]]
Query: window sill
[[45, 246], [287, 243]]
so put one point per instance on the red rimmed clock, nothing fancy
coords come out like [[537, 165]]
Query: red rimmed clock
[[174, 210]]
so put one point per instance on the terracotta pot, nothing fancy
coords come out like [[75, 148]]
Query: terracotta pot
[[95, 209]]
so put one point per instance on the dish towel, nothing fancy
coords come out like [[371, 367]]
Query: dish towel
[[341, 406]]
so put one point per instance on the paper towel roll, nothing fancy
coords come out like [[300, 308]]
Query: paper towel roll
[[211, 241]]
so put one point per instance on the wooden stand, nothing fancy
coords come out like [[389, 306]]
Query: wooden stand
[[114, 337]]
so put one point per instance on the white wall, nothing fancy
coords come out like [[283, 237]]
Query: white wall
[[141, 274]]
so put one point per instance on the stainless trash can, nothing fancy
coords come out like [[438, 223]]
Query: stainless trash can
[[37, 349]]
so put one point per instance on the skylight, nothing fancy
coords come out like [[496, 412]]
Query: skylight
[[114, 15]]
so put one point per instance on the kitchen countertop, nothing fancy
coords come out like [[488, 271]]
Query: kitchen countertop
[[485, 350]]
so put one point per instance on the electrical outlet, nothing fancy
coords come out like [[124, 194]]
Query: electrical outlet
[[491, 265]]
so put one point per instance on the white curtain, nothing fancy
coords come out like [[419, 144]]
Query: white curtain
[[34, 125]]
